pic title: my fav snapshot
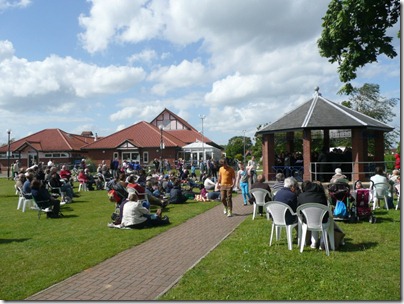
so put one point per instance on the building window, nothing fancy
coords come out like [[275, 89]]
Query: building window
[[56, 155], [145, 157], [130, 156]]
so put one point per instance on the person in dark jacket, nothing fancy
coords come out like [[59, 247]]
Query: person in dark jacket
[[176, 195], [44, 199], [288, 195], [313, 192]]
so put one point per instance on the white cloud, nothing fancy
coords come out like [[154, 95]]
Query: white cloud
[[6, 50], [137, 109], [232, 88], [64, 76], [177, 76], [8, 4], [146, 56], [120, 127], [120, 21], [242, 63]]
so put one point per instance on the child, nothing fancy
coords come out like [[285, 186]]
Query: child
[[203, 196]]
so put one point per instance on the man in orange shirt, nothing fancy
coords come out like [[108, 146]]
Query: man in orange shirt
[[227, 178]]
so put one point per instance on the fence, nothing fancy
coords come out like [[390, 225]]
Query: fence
[[323, 171]]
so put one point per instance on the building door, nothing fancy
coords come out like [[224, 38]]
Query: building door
[[32, 159]]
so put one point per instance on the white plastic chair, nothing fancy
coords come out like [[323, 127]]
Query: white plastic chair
[[380, 191], [397, 187], [82, 186], [259, 195], [23, 201], [278, 212], [58, 191], [313, 214], [39, 209], [102, 177]]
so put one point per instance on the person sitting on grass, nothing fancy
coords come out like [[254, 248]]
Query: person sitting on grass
[[136, 216], [203, 195], [176, 195], [215, 194], [209, 183]]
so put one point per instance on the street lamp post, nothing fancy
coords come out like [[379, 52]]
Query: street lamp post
[[202, 117], [8, 154], [161, 149], [244, 146]]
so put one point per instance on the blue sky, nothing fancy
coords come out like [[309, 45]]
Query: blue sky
[[102, 65]]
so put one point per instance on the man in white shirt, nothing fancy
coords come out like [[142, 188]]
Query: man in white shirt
[[209, 184]]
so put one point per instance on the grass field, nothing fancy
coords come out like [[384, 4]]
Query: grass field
[[244, 267], [35, 254]]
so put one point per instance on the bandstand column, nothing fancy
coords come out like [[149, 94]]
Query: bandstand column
[[359, 153], [306, 154]]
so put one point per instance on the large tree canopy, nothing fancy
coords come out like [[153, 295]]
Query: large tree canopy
[[354, 34], [368, 100], [235, 146]]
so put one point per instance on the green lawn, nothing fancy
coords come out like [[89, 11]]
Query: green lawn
[[244, 267], [36, 254]]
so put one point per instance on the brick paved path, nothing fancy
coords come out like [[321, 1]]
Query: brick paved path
[[140, 273]]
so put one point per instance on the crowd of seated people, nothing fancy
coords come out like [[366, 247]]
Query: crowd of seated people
[[45, 185], [159, 190]]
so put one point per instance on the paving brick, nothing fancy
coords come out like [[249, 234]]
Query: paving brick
[[115, 278]]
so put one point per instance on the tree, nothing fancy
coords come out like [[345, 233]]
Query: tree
[[354, 34], [367, 100], [236, 146], [257, 148]]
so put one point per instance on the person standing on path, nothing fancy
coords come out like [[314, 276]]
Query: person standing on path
[[242, 181], [227, 179], [252, 168]]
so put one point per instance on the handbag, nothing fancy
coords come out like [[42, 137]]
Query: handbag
[[340, 209]]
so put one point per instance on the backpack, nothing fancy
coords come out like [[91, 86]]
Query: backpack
[[340, 209]]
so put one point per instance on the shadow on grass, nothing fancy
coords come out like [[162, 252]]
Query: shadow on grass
[[380, 220], [350, 247], [67, 216], [6, 241]]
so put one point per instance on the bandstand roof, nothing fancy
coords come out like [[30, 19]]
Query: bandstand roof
[[321, 113]]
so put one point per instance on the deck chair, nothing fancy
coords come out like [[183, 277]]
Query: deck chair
[[313, 214], [278, 210], [259, 195]]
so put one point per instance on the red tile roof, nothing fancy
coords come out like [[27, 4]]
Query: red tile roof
[[50, 140], [141, 134]]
